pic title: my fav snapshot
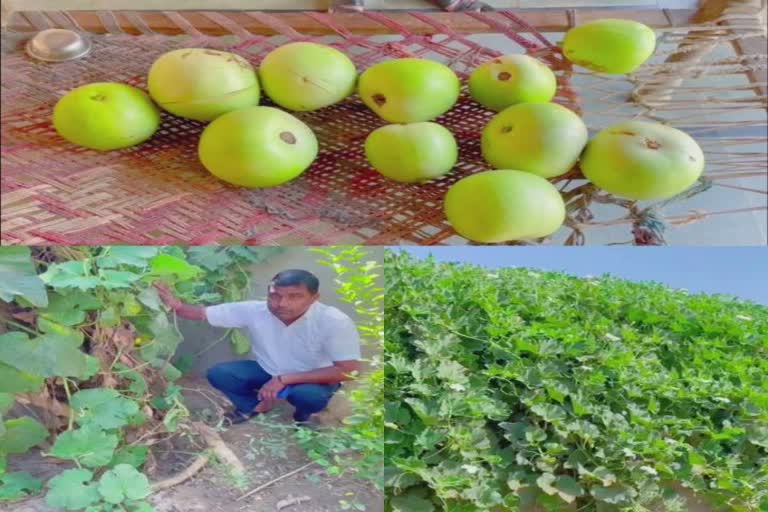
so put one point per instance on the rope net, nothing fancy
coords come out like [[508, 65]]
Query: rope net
[[700, 80]]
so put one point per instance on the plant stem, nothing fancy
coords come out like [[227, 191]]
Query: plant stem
[[69, 402], [209, 347], [20, 326]]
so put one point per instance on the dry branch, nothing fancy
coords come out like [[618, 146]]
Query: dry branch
[[182, 476], [220, 448], [274, 481]]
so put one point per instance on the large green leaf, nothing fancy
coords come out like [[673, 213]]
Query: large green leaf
[[71, 274], [21, 434], [138, 385], [123, 483], [49, 355], [551, 413], [134, 255], [413, 500], [112, 279], [568, 489], [134, 456], [167, 265], [616, 494], [170, 372], [103, 408], [19, 278], [128, 303], [6, 402], [70, 308], [150, 298], [72, 490], [88, 445], [109, 317], [48, 326], [15, 381], [210, 257], [18, 485], [165, 338], [758, 435]]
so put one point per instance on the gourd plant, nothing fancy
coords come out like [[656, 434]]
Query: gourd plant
[[357, 446], [518, 390], [85, 340]]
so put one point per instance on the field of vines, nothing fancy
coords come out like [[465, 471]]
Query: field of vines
[[88, 373], [517, 389]]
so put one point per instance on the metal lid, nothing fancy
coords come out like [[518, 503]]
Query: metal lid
[[58, 45]]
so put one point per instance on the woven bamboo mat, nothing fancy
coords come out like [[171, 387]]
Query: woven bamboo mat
[[158, 192]]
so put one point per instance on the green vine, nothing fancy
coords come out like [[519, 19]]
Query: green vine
[[516, 390], [85, 335], [356, 447]]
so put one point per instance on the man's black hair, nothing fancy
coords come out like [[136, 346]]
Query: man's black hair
[[295, 277]]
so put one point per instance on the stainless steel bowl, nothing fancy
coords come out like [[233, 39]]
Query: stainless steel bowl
[[58, 45]]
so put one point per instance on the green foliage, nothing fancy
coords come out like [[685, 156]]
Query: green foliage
[[71, 274], [21, 434], [511, 388], [165, 336], [356, 447], [134, 456], [123, 483], [69, 309], [102, 308], [18, 277], [130, 255], [20, 484], [16, 381], [121, 488], [172, 268], [45, 356], [6, 401], [72, 490], [415, 500], [88, 446], [102, 408], [150, 298]]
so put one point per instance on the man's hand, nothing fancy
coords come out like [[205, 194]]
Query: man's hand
[[270, 390], [167, 296], [187, 311]]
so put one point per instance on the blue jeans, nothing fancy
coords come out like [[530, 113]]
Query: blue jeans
[[241, 381]]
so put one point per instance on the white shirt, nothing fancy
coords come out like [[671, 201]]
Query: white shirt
[[322, 335]]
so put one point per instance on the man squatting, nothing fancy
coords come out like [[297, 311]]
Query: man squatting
[[302, 349]]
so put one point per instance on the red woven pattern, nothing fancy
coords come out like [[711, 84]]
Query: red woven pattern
[[158, 192]]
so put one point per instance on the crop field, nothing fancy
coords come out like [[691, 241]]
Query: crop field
[[517, 390]]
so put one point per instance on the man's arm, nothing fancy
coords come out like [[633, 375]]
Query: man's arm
[[188, 311], [340, 371]]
